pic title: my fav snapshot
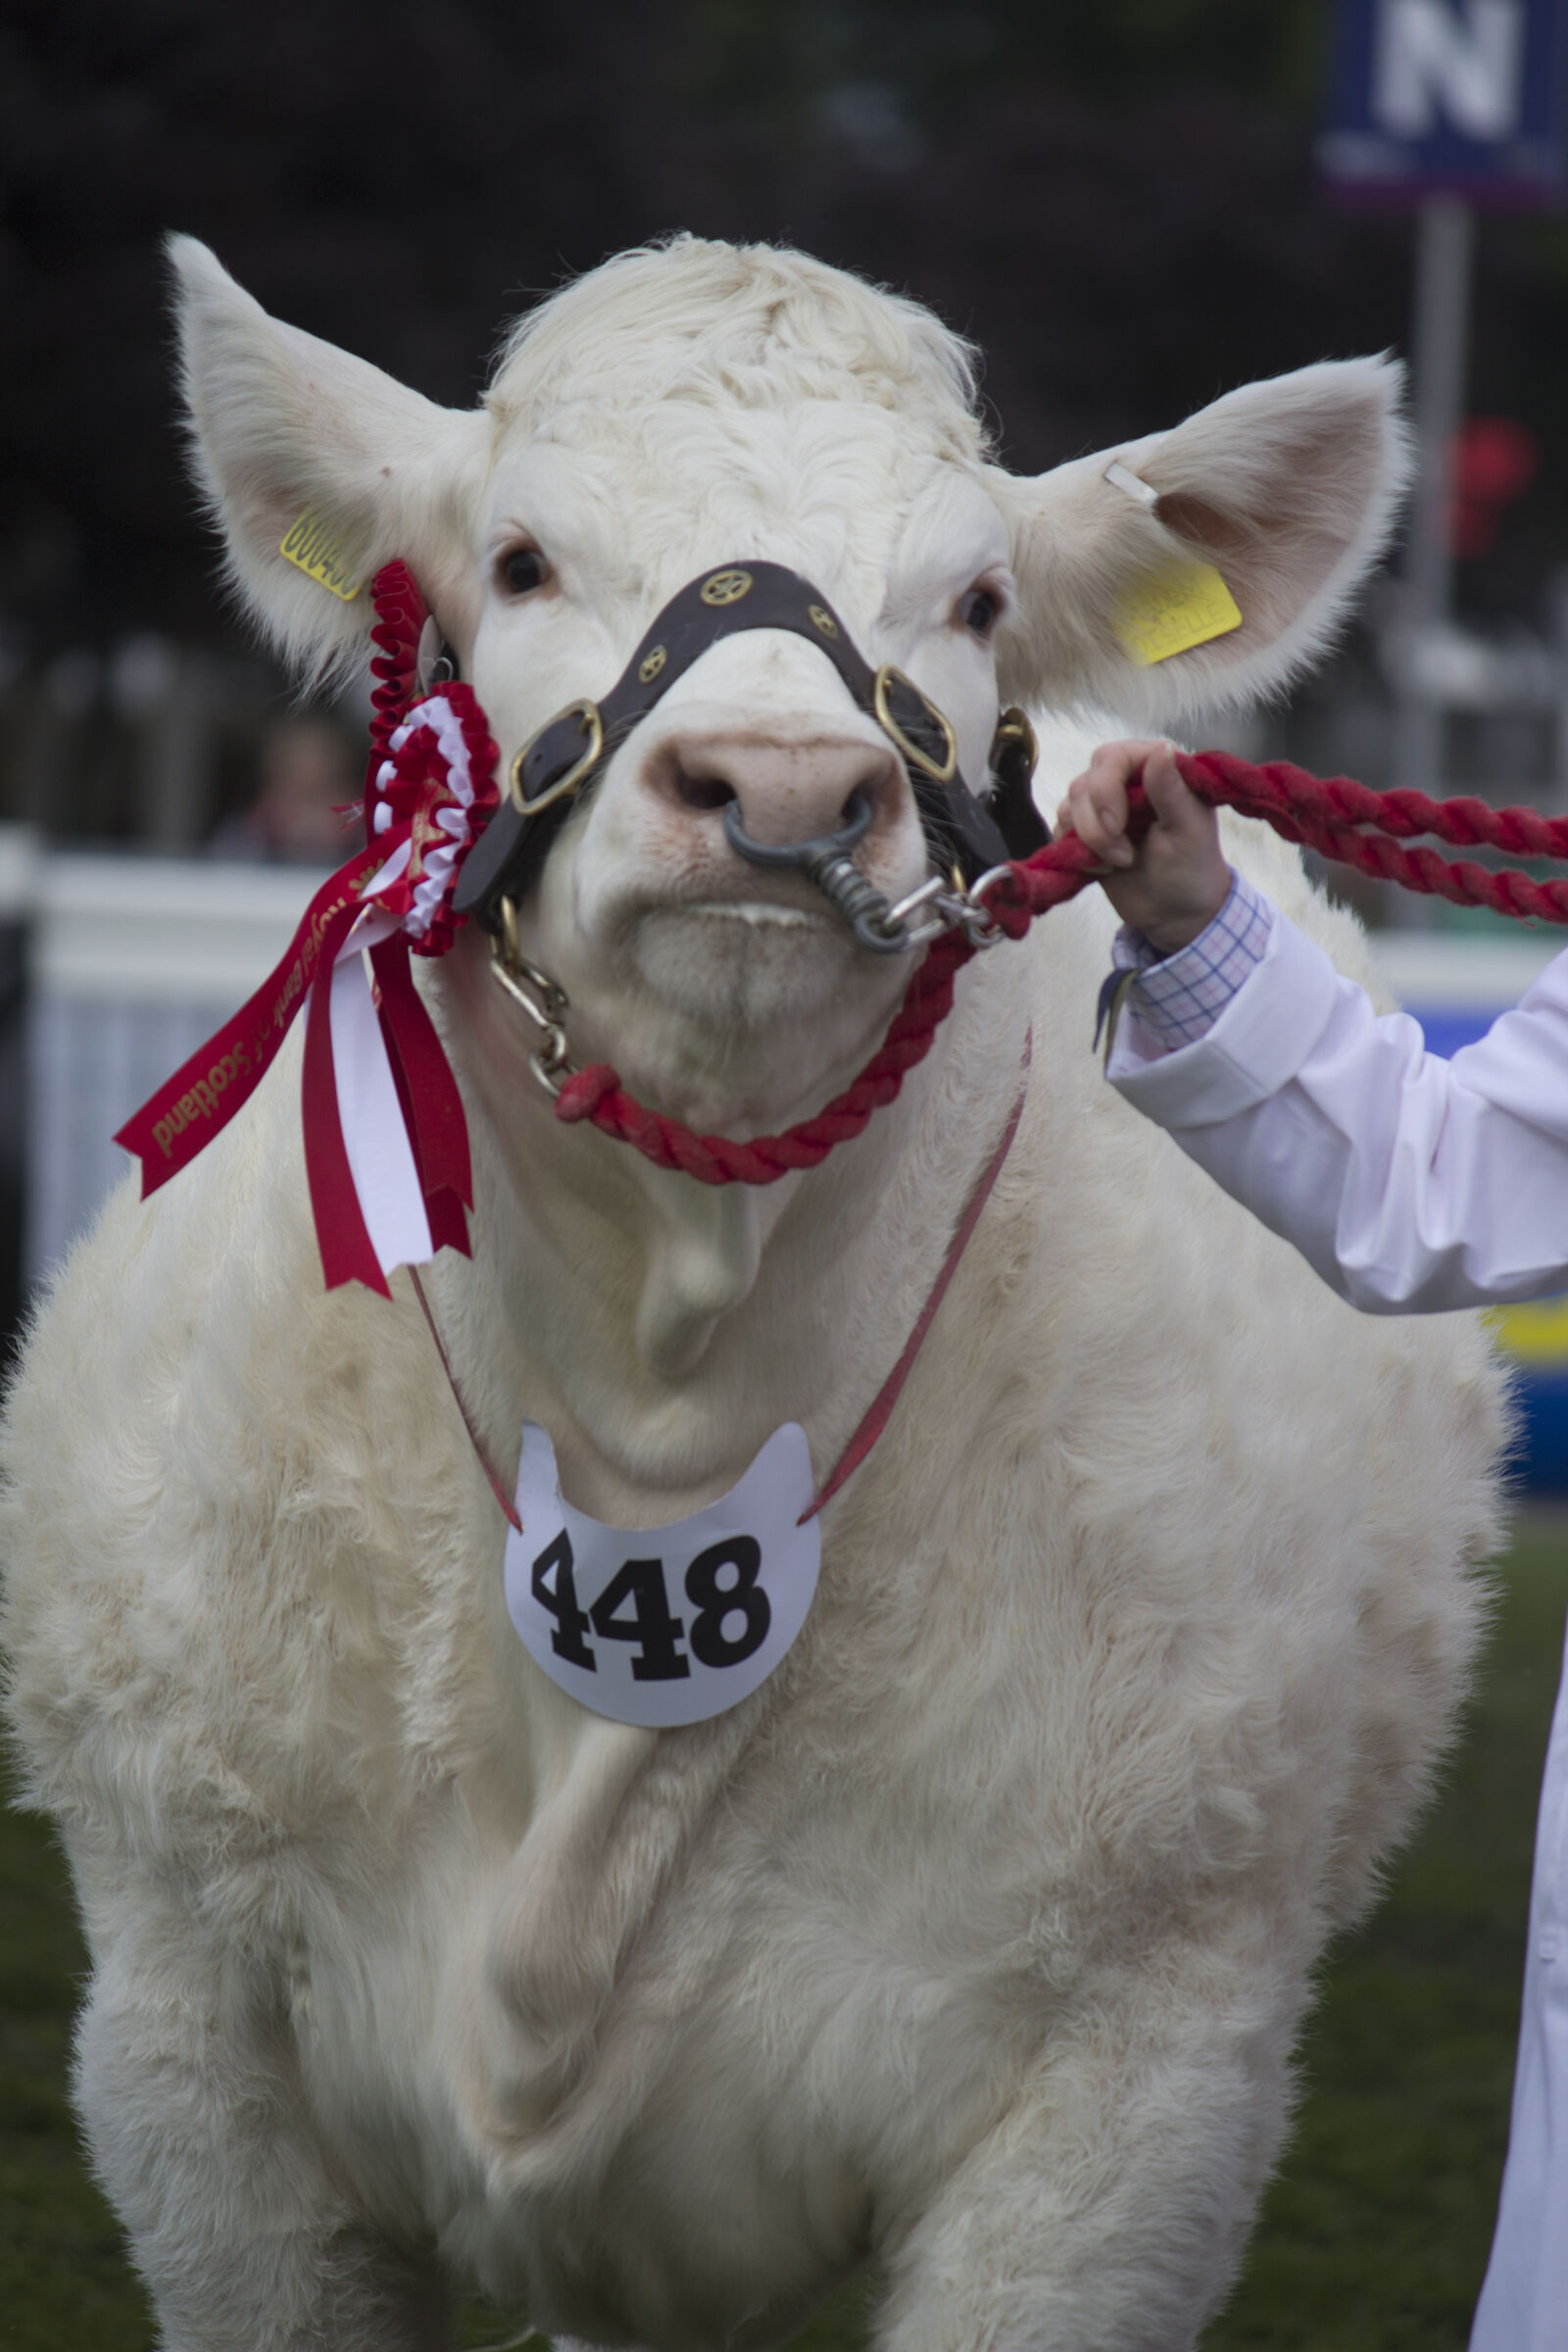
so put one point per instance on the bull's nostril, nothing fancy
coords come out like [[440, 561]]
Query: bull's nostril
[[865, 795], [702, 792]]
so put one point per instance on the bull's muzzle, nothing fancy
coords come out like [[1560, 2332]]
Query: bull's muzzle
[[827, 860]]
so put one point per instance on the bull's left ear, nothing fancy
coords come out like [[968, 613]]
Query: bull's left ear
[[1288, 489], [319, 468]]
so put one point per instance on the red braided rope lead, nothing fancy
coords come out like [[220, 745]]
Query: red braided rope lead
[[1341, 819], [1345, 820]]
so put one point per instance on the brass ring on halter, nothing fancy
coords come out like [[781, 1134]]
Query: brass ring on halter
[[1015, 733], [939, 773], [594, 729]]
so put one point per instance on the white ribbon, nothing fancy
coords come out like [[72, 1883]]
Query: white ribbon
[[376, 1139]]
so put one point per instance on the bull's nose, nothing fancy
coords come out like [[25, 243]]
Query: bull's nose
[[786, 790]]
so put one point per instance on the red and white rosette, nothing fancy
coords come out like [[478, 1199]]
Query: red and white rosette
[[431, 795], [386, 1143]]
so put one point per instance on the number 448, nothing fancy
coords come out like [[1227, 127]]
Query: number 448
[[634, 1606]]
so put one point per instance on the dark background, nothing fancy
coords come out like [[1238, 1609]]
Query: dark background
[[1116, 201]]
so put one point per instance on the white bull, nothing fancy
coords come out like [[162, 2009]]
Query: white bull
[[972, 1946]]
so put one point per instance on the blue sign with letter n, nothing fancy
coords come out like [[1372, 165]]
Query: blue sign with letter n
[[1465, 95]]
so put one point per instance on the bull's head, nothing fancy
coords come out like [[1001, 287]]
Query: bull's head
[[699, 405]]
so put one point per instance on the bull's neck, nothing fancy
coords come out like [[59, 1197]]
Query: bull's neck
[[659, 1276], [660, 1328], [645, 1264]]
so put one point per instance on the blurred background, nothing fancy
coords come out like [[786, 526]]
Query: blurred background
[[1131, 206], [1121, 204], [1125, 206]]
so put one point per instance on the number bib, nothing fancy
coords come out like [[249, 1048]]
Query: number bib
[[665, 1624]]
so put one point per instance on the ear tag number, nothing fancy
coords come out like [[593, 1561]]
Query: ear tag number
[[309, 546], [1171, 611], [663, 1625]]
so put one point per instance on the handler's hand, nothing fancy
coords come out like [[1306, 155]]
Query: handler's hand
[[1174, 884]]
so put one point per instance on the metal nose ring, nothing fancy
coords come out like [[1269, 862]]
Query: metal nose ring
[[800, 853], [825, 860]]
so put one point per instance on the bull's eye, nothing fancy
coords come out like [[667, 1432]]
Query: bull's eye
[[525, 569], [978, 611]]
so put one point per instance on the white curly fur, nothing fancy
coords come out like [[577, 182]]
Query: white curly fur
[[974, 1945]]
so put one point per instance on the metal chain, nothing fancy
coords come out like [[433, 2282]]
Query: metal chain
[[949, 905], [542, 998]]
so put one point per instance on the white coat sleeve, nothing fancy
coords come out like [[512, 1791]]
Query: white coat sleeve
[[1408, 1182]]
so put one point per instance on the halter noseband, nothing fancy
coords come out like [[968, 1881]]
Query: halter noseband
[[570, 750]]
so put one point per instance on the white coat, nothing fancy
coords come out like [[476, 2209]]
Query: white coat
[[972, 1946], [1413, 1182]]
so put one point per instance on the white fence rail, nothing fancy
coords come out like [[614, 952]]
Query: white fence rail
[[131, 961]]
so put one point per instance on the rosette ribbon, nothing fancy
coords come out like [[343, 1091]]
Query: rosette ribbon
[[386, 1143]]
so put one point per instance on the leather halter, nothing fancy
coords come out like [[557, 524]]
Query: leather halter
[[570, 750]]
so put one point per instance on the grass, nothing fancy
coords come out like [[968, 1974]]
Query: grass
[[1373, 2238]]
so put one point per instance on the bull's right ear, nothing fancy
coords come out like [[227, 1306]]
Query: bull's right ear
[[297, 441], [1280, 496]]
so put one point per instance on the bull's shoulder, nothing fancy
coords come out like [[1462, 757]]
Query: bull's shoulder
[[135, 1329], [229, 1498]]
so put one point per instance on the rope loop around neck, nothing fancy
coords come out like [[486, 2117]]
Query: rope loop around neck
[[1339, 818]]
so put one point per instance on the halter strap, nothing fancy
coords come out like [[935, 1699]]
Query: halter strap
[[572, 748]]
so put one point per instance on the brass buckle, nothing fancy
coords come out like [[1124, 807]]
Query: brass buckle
[[1013, 727], [909, 750], [564, 785]]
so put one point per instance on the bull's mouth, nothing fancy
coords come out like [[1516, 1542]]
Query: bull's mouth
[[743, 962], [726, 976], [759, 912], [711, 892], [719, 988]]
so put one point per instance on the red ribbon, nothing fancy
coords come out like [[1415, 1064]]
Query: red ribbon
[[431, 785], [205, 1092]]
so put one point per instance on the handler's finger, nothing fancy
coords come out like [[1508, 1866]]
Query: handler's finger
[[1175, 804], [1095, 805], [1099, 819], [1113, 766]]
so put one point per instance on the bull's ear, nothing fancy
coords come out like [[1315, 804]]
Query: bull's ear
[[1288, 489], [287, 432]]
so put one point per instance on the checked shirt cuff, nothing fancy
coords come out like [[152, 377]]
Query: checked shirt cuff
[[1177, 998]]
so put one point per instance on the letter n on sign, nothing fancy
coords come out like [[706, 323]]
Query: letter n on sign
[[1447, 96]]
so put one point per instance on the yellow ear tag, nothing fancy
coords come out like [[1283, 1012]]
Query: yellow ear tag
[[1170, 611], [308, 545]]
